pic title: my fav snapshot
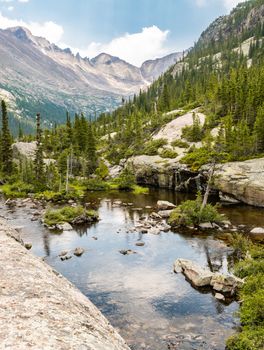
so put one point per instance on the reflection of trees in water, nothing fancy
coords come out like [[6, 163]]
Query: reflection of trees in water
[[46, 242], [219, 307], [83, 229], [215, 263]]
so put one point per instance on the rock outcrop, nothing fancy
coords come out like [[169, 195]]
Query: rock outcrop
[[165, 173], [203, 277], [173, 130], [235, 181], [24, 149], [40, 309], [243, 180]]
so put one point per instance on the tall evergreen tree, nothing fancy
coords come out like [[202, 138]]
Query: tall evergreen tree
[[91, 150], [259, 130], [6, 142], [38, 161]]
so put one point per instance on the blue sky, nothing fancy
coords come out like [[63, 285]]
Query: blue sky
[[134, 30]]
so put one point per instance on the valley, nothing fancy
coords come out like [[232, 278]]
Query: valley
[[142, 186]]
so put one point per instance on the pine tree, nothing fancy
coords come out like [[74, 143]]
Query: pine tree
[[259, 130], [91, 150], [68, 129], [38, 161], [20, 133], [6, 143]]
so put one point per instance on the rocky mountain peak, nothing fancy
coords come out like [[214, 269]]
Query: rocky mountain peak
[[21, 33], [104, 58]]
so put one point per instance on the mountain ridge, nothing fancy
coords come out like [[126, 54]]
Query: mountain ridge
[[33, 69]]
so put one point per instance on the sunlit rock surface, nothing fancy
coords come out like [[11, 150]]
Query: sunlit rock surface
[[40, 309]]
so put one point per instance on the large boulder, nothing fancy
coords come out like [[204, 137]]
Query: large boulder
[[199, 276], [173, 130], [225, 283], [24, 150], [257, 230], [27, 150], [203, 277], [165, 205], [244, 181]]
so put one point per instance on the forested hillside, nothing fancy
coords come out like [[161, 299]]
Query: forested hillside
[[223, 75]]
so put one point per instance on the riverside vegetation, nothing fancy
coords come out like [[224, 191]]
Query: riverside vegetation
[[220, 77]]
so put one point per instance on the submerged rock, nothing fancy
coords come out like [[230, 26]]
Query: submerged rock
[[11, 202], [28, 246], [78, 251], [126, 251], [165, 214], [63, 253], [155, 216], [65, 257], [65, 227], [140, 244]]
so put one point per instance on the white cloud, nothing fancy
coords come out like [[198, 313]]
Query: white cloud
[[6, 0], [49, 30], [23, 1], [10, 8], [134, 48]]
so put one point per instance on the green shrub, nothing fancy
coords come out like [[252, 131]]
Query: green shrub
[[140, 190], [196, 157], [247, 340], [126, 181], [190, 213], [193, 133], [151, 147], [66, 214], [249, 267], [17, 189], [168, 153], [241, 245], [96, 185], [102, 171], [179, 143], [62, 196], [252, 309], [253, 284]]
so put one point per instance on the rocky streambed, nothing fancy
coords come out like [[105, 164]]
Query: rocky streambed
[[151, 306]]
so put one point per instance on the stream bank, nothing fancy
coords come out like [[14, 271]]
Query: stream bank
[[40, 309]]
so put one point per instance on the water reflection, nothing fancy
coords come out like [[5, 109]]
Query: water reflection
[[150, 305]]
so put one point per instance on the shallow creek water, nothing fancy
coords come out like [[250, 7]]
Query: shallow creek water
[[152, 307]]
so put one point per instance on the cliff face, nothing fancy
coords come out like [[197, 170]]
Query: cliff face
[[40, 309], [241, 181], [245, 16]]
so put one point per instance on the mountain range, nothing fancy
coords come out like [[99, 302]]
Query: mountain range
[[37, 75]]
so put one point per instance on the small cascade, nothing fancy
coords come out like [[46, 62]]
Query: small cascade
[[198, 183]]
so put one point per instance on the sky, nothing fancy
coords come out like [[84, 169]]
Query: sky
[[134, 30]]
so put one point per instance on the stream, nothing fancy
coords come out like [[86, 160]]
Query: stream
[[152, 307]]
